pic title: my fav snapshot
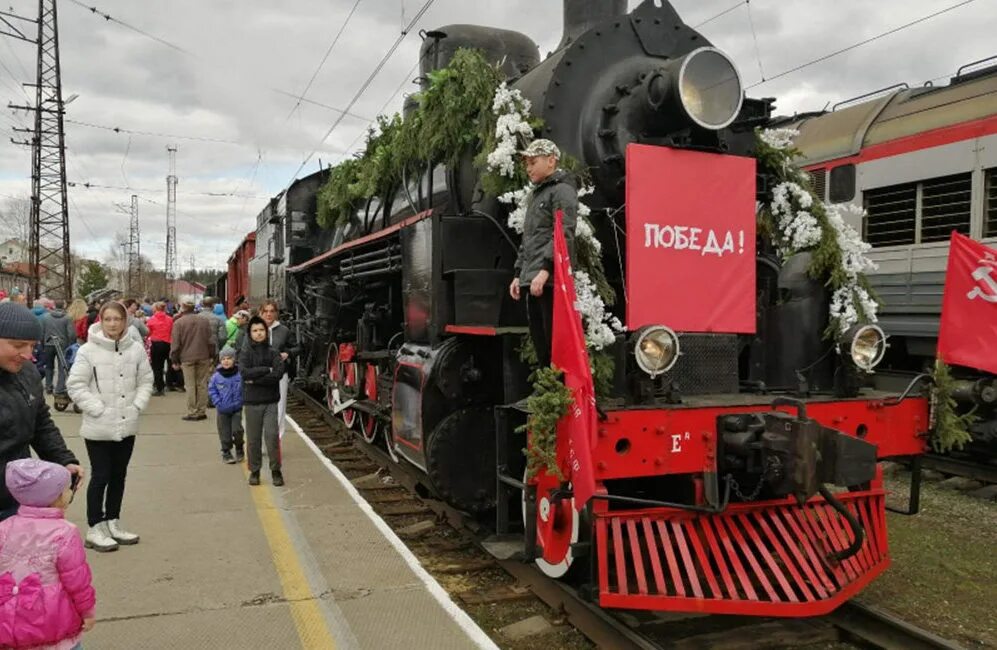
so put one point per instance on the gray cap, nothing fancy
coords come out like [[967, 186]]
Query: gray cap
[[541, 147], [17, 322], [228, 352]]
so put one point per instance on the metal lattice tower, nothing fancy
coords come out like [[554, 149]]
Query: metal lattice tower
[[49, 259], [171, 223], [134, 253]]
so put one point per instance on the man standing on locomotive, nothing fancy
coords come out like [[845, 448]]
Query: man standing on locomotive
[[553, 190]]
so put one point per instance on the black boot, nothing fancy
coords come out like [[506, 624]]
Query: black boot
[[254, 478]]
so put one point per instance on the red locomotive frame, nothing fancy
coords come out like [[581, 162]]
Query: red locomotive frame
[[763, 558]]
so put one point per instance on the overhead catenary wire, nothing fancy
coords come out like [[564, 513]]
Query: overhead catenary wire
[[128, 188], [363, 88], [722, 13], [384, 107], [119, 129], [863, 42], [325, 57]]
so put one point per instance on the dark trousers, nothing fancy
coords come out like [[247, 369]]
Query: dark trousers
[[108, 467], [541, 314], [54, 369], [160, 358], [261, 427], [229, 430]]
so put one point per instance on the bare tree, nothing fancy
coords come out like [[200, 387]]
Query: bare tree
[[15, 222]]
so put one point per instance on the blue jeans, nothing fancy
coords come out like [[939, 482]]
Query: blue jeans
[[51, 362]]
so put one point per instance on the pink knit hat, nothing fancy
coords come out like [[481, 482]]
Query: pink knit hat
[[37, 483]]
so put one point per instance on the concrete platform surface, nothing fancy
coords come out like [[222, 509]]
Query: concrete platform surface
[[224, 565]]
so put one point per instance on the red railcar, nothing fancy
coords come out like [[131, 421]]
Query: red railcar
[[237, 287]]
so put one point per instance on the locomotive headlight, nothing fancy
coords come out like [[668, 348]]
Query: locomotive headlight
[[865, 345], [702, 87], [656, 349], [709, 88]]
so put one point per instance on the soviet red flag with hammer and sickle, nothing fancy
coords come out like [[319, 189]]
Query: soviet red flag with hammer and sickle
[[578, 427], [967, 335]]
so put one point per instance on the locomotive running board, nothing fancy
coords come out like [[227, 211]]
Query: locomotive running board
[[758, 559]]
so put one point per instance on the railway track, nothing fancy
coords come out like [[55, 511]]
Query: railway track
[[496, 589], [956, 466]]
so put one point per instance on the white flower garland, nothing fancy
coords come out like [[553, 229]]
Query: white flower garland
[[799, 229], [512, 111]]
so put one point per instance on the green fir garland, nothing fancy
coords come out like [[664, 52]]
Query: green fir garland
[[949, 430], [549, 402]]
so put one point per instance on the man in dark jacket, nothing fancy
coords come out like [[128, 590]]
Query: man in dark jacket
[[553, 190], [195, 342], [58, 331], [27, 423]]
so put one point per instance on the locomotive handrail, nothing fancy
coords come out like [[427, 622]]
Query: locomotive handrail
[[958, 72], [898, 86]]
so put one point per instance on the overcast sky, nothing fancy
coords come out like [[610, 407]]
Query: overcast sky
[[240, 56]]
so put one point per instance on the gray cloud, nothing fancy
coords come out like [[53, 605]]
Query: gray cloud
[[241, 53]]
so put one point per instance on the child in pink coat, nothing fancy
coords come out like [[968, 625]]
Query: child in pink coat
[[46, 597]]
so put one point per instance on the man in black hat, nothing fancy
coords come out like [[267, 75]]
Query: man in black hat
[[27, 423]]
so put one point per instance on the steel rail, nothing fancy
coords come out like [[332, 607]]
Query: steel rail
[[874, 626], [961, 467]]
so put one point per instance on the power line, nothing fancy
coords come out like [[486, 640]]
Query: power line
[[335, 40], [112, 19], [299, 98], [861, 43], [128, 188], [722, 13], [119, 129], [406, 80], [366, 85]]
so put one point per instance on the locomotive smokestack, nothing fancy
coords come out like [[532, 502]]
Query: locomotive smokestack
[[581, 15]]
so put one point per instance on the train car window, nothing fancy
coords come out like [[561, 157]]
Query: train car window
[[842, 184], [818, 177], [990, 208], [945, 206], [891, 215]]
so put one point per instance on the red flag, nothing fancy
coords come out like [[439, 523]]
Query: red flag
[[967, 335], [578, 427]]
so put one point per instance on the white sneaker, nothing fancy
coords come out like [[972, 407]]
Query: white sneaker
[[99, 539], [120, 535]]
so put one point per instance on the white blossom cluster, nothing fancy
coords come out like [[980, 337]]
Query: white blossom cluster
[[511, 109], [843, 302], [519, 198], [778, 138], [600, 327], [854, 262], [798, 226]]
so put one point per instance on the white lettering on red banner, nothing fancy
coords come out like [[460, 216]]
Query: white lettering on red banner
[[706, 241]]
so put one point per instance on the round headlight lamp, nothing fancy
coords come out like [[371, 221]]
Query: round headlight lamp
[[656, 349], [709, 88], [864, 346]]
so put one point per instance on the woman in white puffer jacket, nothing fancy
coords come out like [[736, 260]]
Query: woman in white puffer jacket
[[111, 381]]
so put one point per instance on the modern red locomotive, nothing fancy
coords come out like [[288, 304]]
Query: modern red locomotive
[[729, 412]]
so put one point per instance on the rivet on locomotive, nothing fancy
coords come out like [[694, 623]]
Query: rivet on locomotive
[[712, 465]]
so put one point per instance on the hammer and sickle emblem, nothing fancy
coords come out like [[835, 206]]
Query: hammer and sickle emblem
[[982, 276]]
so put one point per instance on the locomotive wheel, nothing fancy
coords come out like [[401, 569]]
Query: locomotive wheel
[[348, 372], [339, 378], [557, 527], [332, 372], [369, 423]]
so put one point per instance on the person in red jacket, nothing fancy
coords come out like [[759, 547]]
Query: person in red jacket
[[161, 334]]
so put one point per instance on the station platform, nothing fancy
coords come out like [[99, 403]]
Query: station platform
[[225, 565]]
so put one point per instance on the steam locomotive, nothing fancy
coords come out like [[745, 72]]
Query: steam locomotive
[[714, 447], [922, 162]]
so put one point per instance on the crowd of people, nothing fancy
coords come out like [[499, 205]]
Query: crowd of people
[[112, 359]]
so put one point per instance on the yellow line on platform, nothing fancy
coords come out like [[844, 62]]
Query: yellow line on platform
[[308, 618]]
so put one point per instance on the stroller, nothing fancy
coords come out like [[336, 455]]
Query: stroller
[[65, 359]]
